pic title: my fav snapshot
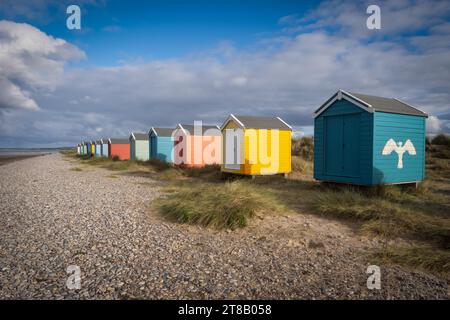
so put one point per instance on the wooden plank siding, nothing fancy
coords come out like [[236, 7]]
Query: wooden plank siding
[[400, 128], [161, 148], [365, 132], [259, 142]]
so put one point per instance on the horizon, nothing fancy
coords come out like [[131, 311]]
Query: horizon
[[135, 65]]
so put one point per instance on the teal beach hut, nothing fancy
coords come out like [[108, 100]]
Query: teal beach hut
[[161, 144], [139, 148], [105, 147], [98, 148], [368, 140], [89, 148]]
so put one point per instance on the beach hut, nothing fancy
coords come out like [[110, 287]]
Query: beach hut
[[139, 147], [368, 140], [161, 144], [98, 148], [256, 145], [92, 148], [85, 148], [89, 148], [78, 149], [105, 147], [197, 145], [119, 148]]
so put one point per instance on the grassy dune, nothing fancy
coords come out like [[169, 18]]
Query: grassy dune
[[227, 205], [419, 217]]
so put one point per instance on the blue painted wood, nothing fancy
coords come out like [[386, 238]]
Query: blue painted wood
[[351, 145], [98, 150], [363, 136], [105, 150], [161, 148], [153, 148], [400, 128], [334, 140]]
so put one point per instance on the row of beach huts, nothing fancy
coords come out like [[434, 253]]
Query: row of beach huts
[[358, 139]]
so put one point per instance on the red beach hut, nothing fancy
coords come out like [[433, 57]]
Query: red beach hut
[[119, 148]]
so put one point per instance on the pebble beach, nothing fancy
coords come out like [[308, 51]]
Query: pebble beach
[[53, 216]]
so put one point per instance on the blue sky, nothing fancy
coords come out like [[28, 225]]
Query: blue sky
[[137, 64], [118, 30]]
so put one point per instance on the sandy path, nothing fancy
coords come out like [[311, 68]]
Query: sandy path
[[52, 216]]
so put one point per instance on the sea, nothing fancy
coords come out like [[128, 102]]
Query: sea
[[7, 152]]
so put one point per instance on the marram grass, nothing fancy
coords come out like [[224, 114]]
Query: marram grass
[[228, 205]]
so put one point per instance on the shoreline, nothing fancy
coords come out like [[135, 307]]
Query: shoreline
[[5, 159]]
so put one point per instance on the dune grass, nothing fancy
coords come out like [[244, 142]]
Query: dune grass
[[228, 205], [384, 215], [418, 215], [422, 257]]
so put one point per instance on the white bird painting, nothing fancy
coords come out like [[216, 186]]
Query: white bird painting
[[400, 149]]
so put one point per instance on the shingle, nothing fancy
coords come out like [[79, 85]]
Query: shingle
[[253, 122], [388, 104]]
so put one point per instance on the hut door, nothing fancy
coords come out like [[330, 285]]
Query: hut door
[[333, 145], [233, 139], [351, 145], [153, 146], [342, 145]]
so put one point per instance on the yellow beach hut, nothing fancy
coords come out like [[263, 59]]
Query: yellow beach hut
[[92, 148], [256, 145]]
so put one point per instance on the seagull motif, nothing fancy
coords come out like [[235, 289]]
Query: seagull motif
[[400, 149]]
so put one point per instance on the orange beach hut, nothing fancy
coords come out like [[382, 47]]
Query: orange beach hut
[[119, 148], [197, 145]]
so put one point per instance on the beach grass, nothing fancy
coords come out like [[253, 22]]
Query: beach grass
[[228, 205], [417, 216]]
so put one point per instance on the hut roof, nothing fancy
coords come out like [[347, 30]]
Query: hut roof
[[162, 132], [118, 141], [372, 103], [189, 129], [254, 122], [139, 136]]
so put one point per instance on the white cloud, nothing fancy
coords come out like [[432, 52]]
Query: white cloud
[[434, 124], [289, 80], [239, 81], [31, 62]]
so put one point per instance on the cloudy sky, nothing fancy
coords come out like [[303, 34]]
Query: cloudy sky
[[137, 64]]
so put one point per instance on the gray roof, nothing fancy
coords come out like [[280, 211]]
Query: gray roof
[[119, 141], [105, 140], [164, 132], [98, 142], [190, 129], [252, 122], [389, 104], [140, 135], [380, 104]]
